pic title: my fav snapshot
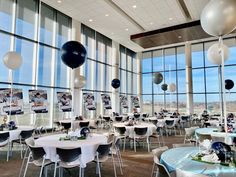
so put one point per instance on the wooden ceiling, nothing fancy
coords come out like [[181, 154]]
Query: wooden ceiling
[[170, 35]]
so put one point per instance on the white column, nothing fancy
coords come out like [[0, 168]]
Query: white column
[[76, 93], [189, 83], [115, 74], [139, 81]]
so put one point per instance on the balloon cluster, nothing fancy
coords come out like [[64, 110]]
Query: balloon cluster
[[158, 78], [115, 83]]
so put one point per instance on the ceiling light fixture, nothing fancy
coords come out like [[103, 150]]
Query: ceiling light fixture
[[134, 6], [90, 20], [126, 29], [151, 23], [170, 18], [59, 1], [179, 37], [107, 15]]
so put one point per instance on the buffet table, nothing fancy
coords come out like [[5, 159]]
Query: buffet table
[[88, 146], [181, 158]]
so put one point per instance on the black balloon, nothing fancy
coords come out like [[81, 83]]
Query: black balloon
[[115, 83], [157, 78], [164, 87], [229, 84], [73, 54]]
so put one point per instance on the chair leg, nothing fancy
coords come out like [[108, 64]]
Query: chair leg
[[114, 165], [148, 145], [25, 157], [98, 166], [153, 166], [55, 169], [27, 165], [124, 144], [8, 150], [119, 161], [41, 170], [134, 145]]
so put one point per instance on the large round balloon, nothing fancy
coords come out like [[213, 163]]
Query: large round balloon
[[172, 87], [164, 87], [73, 54], [115, 83], [229, 84], [214, 53], [157, 78], [218, 18], [12, 60], [79, 81]]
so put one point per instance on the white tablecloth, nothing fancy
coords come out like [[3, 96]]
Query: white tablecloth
[[14, 134], [88, 146], [151, 128]]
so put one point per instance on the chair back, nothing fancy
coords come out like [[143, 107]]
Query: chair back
[[181, 173], [68, 155], [140, 131], [24, 134], [157, 153], [184, 118], [136, 115], [66, 125], [118, 118], [106, 118], [84, 124], [4, 136], [104, 149], [162, 171], [202, 137], [154, 122], [120, 130], [36, 151], [189, 131], [170, 123]]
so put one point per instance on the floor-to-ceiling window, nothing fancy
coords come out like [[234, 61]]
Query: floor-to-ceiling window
[[36, 31], [170, 62]]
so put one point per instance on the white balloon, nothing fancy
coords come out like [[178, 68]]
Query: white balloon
[[79, 81], [214, 53], [12, 60], [172, 87], [218, 18]]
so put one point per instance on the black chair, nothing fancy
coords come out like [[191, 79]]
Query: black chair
[[136, 115], [66, 126], [24, 134], [36, 156], [4, 140], [140, 134], [118, 118], [102, 155], [84, 124], [67, 156], [121, 134], [107, 123]]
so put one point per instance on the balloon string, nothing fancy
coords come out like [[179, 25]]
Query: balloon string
[[11, 93]]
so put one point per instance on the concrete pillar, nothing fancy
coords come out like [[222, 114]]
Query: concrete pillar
[[76, 93], [115, 74], [139, 79], [189, 83]]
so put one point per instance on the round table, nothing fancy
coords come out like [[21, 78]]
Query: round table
[[14, 134], [88, 146], [181, 158], [151, 128], [213, 131]]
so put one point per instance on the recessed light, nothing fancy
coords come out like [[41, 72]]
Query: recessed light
[[59, 1], [107, 15], [90, 20], [170, 18], [179, 37], [112, 33], [134, 6], [126, 29], [151, 23]]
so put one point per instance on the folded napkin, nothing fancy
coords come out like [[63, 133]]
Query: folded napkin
[[211, 158]]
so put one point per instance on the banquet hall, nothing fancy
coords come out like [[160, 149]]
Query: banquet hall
[[112, 88]]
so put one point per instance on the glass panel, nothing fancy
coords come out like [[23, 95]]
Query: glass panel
[[6, 14], [158, 102], [231, 102], [25, 18], [207, 46], [46, 24], [181, 64], [212, 82], [171, 102], [232, 51], [4, 48], [170, 60], [147, 84], [44, 65], [199, 103], [147, 104], [182, 103], [146, 62], [198, 80], [197, 56], [213, 104], [181, 81], [158, 61], [230, 73], [24, 73], [170, 77], [63, 29]]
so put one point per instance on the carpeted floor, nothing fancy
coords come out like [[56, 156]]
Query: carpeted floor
[[137, 164]]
